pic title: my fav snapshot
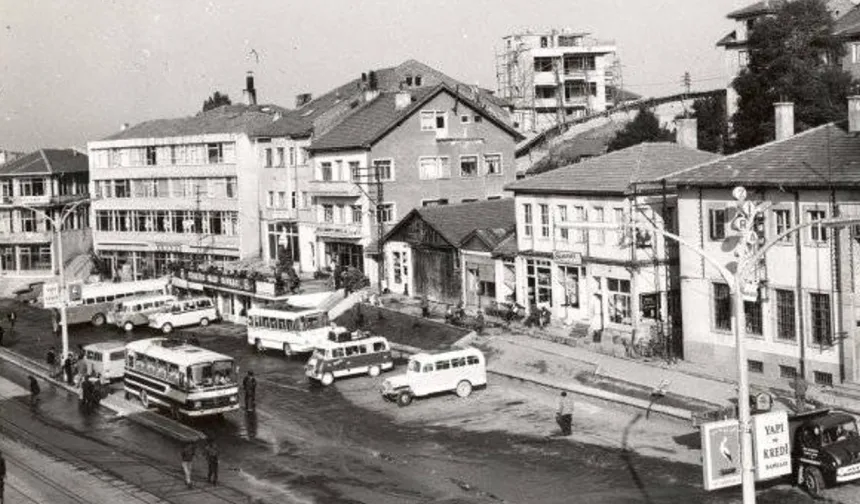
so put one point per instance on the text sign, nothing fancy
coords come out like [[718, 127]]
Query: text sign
[[51, 295], [567, 257], [721, 454], [772, 448]]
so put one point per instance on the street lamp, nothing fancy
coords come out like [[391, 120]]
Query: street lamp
[[58, 229]]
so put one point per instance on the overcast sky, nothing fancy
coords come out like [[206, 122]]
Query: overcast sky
[[74, 70]]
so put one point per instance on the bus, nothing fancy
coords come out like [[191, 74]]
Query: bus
[[93, 302], [360, 354], [183, 379], [135, 311], [288, 331]]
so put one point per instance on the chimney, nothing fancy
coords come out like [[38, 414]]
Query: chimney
[[854, 114], [123, 127], [363, 76], [303, 99], [687, 132], [370, 94], [249, 92], [783, 119], [402, 100]]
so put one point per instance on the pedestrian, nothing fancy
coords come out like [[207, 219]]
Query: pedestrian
[[337, 274], [68, 369], [564, 414], [12, 318], [425, 306], [188, 461], [211, 451], [479, 322], [1, 336], [35, 390], [87, 393], [2, 478], [51, 360], [81, 352], [80, 371], [249, 384]]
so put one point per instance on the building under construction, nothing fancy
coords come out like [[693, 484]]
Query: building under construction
[[553, 76]]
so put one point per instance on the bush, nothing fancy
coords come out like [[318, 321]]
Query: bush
[[354, 280]]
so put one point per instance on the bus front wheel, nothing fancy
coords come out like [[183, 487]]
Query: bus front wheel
[[327, 379], [287, 350], [167, 328], [98, 319], [144, 400], [204, 322], [128, 326], [373, 371]]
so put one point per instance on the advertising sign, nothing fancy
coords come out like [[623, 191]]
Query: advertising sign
[[51, 295], [721, 454], [771, 445], [567, 257]]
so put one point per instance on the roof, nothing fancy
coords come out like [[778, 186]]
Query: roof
[[849, 24], [456, 222], [757, 9], [819, 157], [508, 247], [105, 345], [375, 119], [292, 314], [47, 161], [590, 143], [252, 120], [181, 353], [729, 39], [616, 171]]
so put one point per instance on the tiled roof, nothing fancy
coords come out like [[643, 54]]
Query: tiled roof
[[508, 247], [247, 119], [616, 171], [456, 222], [818, 157], [756, 9], [730, 39], [849, 24], [588, 144], [47, 161], [373, 120]]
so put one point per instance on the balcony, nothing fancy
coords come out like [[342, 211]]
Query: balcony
[[251, 282], [335, 230], [333, 188], [36, 237], [546, 103]]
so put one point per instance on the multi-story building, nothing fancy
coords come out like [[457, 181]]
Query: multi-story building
[[44, 182], [215, 187], [549, 77], [421, 145], [606, 281], [803, 319]]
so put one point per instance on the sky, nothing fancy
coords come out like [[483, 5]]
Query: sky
[[75, 70]]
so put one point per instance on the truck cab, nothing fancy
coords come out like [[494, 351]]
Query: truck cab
[[825, 449]]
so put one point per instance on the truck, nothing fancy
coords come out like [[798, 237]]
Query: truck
[[825, 449]]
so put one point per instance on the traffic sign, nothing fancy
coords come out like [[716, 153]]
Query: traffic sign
[[51, 295], [721, 454]]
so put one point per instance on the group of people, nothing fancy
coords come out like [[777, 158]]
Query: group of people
[[210, 451], [72, 368]]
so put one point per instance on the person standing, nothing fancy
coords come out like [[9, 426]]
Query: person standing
[[249, 384], [564, 415], [188, 452], [211, 451], [12, 318], [80, 371], [69, 369], [35, 390], [1, 336]]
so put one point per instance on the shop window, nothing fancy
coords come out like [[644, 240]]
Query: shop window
[[538, 281], [619, 300], [649, 304]]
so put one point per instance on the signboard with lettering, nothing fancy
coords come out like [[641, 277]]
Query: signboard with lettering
[[567, 257], [51, 295], [721, 454], [771, 445]]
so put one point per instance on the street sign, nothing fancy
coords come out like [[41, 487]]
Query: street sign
[[771, 440], [721, 454], [51, 295]]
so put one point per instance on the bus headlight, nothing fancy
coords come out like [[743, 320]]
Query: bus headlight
[[233, 398], [196, 404]]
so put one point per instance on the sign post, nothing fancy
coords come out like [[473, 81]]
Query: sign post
[[721, 454], [772, 454]]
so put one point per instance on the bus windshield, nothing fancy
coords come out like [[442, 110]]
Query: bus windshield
[[214, 373], [319, 353]]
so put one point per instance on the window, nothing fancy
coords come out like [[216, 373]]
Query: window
[[493, 162], [28, 221], [544, 221], [417, 80], [618, 216], [355, 171], [433, 120], [478, 119], [722, 307], [820, 309], [527, 219], [150, 156], [468, 166], [717, 223], [293, 200], [817, 234], [292, 156], [468, 200], [215, 152], [563, 232], [785, 311], [822, 378], [325, 171], [32, 187], [649, 305], [282, 199], [465, 119], [543, 64], [579, 235], [538, 281], [619, 300], [122, 188], [230, 185], [752, 315], [441, 117], [356, 214], [269, 157], [599, 235], [782, 222], [430, 168], [789, 372], [385, 212], [281, 160], [384, 169], [755, 366], [270, 199], [328, 213], [544, 92]]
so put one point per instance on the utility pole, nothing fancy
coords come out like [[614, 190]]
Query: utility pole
[[380, 229], [687, 81]]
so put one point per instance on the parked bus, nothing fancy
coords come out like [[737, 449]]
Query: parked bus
[[131, 312], [434, 372], [94, 301], [184, 312], [288, 331], [186, 380], [333, 359]]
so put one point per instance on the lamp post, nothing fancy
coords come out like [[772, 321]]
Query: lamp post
[[57, 227], [751, 253]]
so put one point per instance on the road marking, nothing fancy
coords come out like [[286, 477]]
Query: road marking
[[11, 389]]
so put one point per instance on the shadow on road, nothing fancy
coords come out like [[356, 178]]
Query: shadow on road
[[625, 456]]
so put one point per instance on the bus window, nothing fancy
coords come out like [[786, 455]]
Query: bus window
[[458, 362], [117, 356], [100, 299], [414, 366], [379, 346], [351, 350], [282, 324], [91, 355], [445, 364], [223, 372], [337, 353], [471, 360], [362, 349], [428, 368]]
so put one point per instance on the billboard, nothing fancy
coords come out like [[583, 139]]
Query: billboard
[[772, 450], [51, 295], [721, 454]]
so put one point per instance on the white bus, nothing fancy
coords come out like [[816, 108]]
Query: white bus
[[288, 331], [186, 380], [93, 301], [135, 311]]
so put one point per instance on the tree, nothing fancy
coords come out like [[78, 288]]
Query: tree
[[645, 127], [793, 57], [216, 100], [713, 128]]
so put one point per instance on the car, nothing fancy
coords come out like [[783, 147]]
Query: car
[[459, 371], [825, 449]]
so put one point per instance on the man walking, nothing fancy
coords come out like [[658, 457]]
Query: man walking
[[12, 318], [187, 461], [51, 361], [69, 369], [211, 451], [249, 384], [34, 390], [564, 415]]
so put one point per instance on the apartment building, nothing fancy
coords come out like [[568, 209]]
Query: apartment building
[[552, 76], [604, 281], [212, 188], [32, 186], [417, 146], [804, 319]]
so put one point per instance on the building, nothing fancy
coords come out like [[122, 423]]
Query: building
[[444, 252], [398, 150], [553, 76], [608, 282], [804, 319], [6, 155], [736, 42], [49, 181]]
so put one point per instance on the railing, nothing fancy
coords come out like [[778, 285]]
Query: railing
[[266, 287]]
